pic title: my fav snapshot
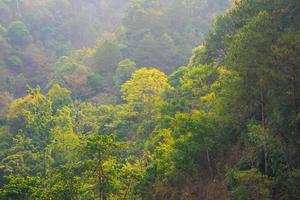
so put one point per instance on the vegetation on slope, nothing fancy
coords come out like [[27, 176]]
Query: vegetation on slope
[[226, 126]]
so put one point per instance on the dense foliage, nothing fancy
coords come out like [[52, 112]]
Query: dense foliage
[[37, 35], [101, 126]]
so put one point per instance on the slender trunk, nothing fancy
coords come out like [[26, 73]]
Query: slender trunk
[[209, 164], [127, 191], [298, 157], [44, 164], [262, 103], [100, 185], [296, 111], [100, 177], [263, 120], [63, 141], [207, 194], [18, 8], [266, 158]]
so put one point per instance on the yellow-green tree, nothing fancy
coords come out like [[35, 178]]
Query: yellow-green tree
[[145, 88]]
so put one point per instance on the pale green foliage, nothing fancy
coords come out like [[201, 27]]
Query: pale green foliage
[[124, 71], [2, 30], [64, 141], [145, 86], [59, 97], [197, 56]]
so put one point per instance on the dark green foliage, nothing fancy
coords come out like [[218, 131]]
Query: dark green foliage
[[20, 188], [107, 56], [18, 34], [163, 33]]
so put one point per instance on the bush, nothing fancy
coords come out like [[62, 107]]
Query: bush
[[249, 184], [18, 34]]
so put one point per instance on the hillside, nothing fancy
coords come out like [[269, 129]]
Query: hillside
[[123, 120], [36, 35]]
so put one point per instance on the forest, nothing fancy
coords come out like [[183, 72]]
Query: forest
[[149, 100]]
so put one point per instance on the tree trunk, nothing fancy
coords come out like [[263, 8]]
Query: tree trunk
[[18, 8], [296, 111], [127, 191], [263, 121], [44, 163], [209, 164], [100, 178], [262, 103], [266, 158]]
